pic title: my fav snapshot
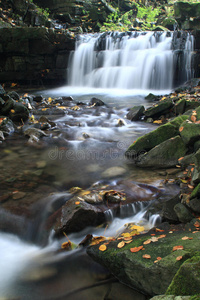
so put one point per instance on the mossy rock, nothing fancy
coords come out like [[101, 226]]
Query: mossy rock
[[156, 137], [179, 107], [160, 108], [164, 155], [170, 297], [135, 113], [190, 132], [187, 279], [196, 192], [150, 276], [185, 10], [196, 172]]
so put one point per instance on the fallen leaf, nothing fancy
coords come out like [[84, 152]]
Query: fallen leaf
[[67, 246], [128, 238], [196, 224], [137, 227], [102, 247], [154, 239], [181, 128], [193, 118], [128, 242], [147, 242], [180, 158], [77, 202], [186, 238], [159, 230], [159, 258], [190, 186], [121, 244], [177, 248], [147, 256], [136, 249], [162, 236], [179, 257]]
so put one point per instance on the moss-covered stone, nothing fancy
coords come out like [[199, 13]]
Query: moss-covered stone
[[179, 107], [190, 132], [195, 192], [164, 155], [156, 137], [158, 109], [143, 274], [187, 279], [196, 172], [135, 113]]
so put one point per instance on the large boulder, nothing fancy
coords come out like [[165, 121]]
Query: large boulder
[[160, 108], [164, 155], [135, 113], [187, 14], [148, 263], [156, 137]]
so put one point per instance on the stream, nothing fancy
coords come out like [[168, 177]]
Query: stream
[[84, 149]]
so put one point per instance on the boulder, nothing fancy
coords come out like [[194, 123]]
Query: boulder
[[135, 113], [150, 274], [187, 279], [196, 192], [19, 113], [194, 204], [179, 107], [196, 172], [154, 138], [190, 132], [183, 213], [77, 215], [6, 125], [96, 102], [168, 212], [160, 108], [164, 155]]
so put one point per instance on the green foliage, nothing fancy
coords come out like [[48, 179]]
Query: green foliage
[[148, 14]]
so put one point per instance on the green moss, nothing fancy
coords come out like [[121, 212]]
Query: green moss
[[187, 279]]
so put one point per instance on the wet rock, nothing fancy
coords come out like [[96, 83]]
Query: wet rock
[[14, 95], [19, 113], [9, 104], [120, 123], [150, 276], [34, 131], [77, 215], [18, 195], [135, 113], [38, 98], [168, 212], [2, 138], [164, 155], [44, 119], [196, 172], [194, 204], [93, 198], [96, 102], [182, 212], [154, 138], [6, 125], [2, 91], [160, 108], [113, 171], [114, 196], [196, 192], [187, 279], [179, 107], [152, 97], [186, 160], [189, 132]]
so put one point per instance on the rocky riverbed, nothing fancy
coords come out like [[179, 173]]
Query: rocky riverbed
[[39, 139]]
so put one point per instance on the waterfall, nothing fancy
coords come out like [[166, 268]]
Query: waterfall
[[131, 60]]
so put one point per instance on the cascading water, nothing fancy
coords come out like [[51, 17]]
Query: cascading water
[[129, 60]]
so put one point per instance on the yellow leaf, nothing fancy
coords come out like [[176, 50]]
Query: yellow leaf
[[157, 122], [121, 244], [137, 227], [102, 247], [77, 202], [83, 193]]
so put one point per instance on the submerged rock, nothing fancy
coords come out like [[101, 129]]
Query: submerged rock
[[96, 102], [135, 113]]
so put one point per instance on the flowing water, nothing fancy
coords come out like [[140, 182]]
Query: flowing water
[[87, 147]]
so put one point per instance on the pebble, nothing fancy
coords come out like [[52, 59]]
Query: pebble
[[113, 172]]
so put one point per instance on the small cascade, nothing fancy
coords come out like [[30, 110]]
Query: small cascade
[[138, 60]]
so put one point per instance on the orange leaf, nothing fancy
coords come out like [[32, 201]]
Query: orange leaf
[[136, 249], [190, 186], [179, 257], [102, 247], [162, 236], [121, 244], [180, 158], [147, 242], [77, 202], [147, 256], [177, 248], [181, 128], [159, 230], [128, 242], [159, 258], [196, 224], [186, 238], [193, 118]]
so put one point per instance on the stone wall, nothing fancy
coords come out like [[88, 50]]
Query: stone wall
[[34, 55]]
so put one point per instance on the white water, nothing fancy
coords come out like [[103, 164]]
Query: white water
[[127, 61]]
